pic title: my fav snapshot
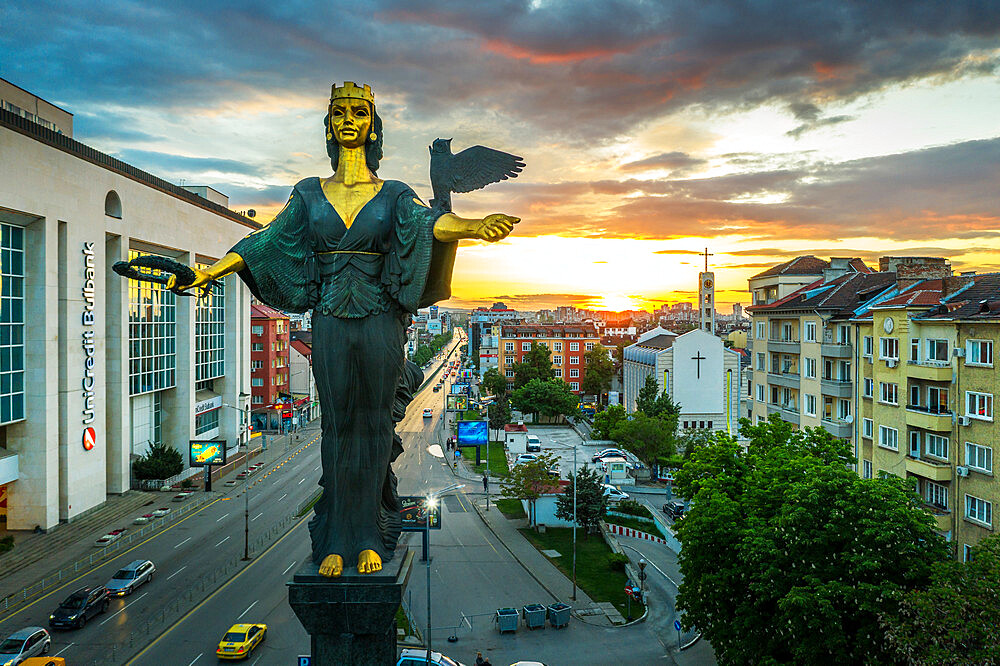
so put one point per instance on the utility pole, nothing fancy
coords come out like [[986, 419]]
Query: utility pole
[[575, 472]]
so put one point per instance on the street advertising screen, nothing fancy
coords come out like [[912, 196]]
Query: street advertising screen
[[459, 388], [208, 453], [458, 403], [413, 512], [472, 433]]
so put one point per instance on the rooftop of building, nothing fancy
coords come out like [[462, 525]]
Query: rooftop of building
[[804, 265], [547, 330], [842, 295], [306, 336], [261, 311], [969, 298]]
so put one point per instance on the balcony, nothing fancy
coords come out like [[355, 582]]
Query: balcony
[[838, 428], [942, 517], [787, 379], [929, 469], [789, 414], [836, 350], [928, 418], [840, 388], [934, 371], [786, 345]]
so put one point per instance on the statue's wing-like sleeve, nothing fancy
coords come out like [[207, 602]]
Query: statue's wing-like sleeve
[[278, 259], [418, 268]]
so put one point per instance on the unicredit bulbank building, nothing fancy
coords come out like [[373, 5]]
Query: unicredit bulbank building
[[93, 367]]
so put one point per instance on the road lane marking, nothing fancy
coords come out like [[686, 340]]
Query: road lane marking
[[247, 610], [316, 468], [289, 567], [177, 572], [110, 617], [223, 517], [182, 543], [195, 659], [64, 649], [221, 542], [283, 497], [257, 516], [300, 482]]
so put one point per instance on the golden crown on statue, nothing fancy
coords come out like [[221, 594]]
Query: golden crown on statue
[[351, 90]]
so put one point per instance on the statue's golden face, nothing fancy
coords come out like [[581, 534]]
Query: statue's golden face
[[350, 122]]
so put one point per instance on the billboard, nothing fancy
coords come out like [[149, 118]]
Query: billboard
[[459, 388], [472, 433], [413, 511], [207, 453], [458, 403]]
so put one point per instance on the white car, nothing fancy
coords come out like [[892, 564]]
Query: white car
[[428, 412], [608, 453], [613, 494], [525, 458], [412, 657]]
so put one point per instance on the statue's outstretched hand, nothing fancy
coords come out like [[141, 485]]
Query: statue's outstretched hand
[[200, 278], [496, 227]]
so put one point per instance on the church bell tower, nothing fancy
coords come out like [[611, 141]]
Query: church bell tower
[[706, 297]]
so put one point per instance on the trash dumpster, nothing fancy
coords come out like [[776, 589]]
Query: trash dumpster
[[559, 615], [507, 619], [534, 616]]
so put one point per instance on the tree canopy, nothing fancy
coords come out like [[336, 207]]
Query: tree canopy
[[789, 556], [599, 371], [591, 504], [605, 422], [529, 481], [494, 383], [160, 462], [648, 437], [653, 403], [546, 397], [498, 413], [536, 364]]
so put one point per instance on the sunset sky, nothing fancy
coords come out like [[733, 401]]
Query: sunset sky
[[651, 130]]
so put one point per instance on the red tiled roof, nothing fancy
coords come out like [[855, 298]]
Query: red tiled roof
[[261, 311], [302, 348], [922, 294], [804, 265]]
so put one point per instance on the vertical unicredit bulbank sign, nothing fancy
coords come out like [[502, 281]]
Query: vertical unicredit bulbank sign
[[89, 437]]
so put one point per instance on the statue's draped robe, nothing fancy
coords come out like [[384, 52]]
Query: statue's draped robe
[[362, 284]]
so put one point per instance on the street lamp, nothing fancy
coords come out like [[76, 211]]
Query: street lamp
[[431, 502], [246, 489], [642, 580]]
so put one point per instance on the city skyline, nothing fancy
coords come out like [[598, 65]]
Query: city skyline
[[648, 133]]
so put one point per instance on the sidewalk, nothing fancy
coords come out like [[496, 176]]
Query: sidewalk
[[39, 555]]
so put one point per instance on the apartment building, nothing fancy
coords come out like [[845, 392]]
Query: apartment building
[[269, 367], [567, 343]]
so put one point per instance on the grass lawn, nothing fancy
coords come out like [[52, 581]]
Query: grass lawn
[[635, 524], [403, 623], [593, 575], [511, 508], [498, 459]]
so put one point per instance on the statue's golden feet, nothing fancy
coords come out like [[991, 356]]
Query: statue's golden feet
[[369, 562], [332, 566]]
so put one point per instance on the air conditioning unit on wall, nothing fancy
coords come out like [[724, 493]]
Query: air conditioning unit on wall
[[958, 352], [964, 420], [962, 471], [891, 363]]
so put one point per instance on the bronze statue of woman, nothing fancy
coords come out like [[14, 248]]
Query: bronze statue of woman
[[363, 254]]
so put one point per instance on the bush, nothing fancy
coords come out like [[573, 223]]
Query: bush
[[632, 508], [186, 483], [160, 462], [7, 544], [617, 561]]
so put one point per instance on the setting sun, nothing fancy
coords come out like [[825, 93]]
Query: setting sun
[[615, 302]]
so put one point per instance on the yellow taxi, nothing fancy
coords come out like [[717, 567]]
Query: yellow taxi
[[240, 641]]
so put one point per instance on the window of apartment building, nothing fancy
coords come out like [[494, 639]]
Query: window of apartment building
[[574, 346], [914, 349], [979, 352], [508, 346], [574, 360], [210, 334], [843, 409], [937, 400], [915, 444], [810, 331], [866, 469], [760, 361], [827, 408], [557, 372], [936, 494], [979, 405], [257, 400], [979, 510], [774, 395], [557, 346], [889, 348], [508, 360], [257, 330], [509, 372], [557, 360], [966, 553], [760, 393], [256, 365], [936, 445], [760, 419], [574, 386], [761, 330], [888, 437], [256, 381], [889, 393], [588, 346], [787, 398], [525, 346], [867, 428], [869, 387], [843, 334], [810, 407], [844, 368], [810, 369], [937, 350], [574, 372], [979, 457], [206, 421], [786, 333], [775, 363], [869, 346], [152, 324]]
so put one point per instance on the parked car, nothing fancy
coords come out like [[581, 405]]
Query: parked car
[[608, 453], [24, 643], [534, 445], [240, 641], [79, 607], [674, 508], [44, 661], [524, 458], [613, 494], [414, 657], [428, 412], [129, 577], [437, 387]]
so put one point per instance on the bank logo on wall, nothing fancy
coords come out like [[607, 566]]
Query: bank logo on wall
[[89, 438]]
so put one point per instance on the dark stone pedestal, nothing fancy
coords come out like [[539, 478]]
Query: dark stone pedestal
[[351, 618]]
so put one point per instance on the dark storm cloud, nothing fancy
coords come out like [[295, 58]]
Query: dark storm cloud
[[584, 71]]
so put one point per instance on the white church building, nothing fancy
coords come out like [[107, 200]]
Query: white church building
[[695, 369]]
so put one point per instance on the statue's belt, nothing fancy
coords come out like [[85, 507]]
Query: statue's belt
[[377, 254], [322, 265]]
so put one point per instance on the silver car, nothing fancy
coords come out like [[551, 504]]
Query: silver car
[[27, 642], [129, 577]]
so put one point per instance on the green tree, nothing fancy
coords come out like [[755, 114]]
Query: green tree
[[545, 397], [605, 422], [536, 364], [653, 403], [648, 437], [591, 504], [160, 462], [619, 361], [954, 620], [600, 369], [494, 383], [691, 439], [529, 481], [498, 413], [789, 556], [423, 354]]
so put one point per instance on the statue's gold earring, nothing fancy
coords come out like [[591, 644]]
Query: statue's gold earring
[[329, 136], [373, 137]]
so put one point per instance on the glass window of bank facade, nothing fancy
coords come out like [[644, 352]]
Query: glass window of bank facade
[[210, 334], [11, 323], [152, 324]]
